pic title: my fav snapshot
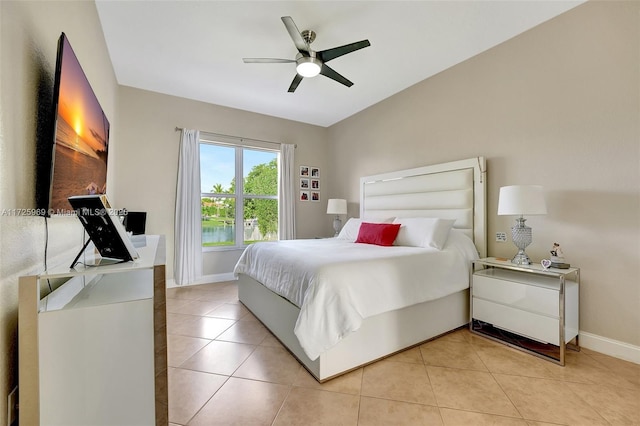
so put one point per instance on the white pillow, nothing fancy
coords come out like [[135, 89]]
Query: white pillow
[[423, 231], [350, 229], [458, 239]]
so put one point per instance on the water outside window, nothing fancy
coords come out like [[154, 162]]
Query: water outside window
[[223, 206]]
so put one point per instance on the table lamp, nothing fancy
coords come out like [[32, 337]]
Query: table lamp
[[521, 200], [337, 207]]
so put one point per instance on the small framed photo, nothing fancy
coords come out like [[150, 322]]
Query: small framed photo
[[304, 183], [315, 172], [304, 195], [304, 171], [315, 196], [315, 184]]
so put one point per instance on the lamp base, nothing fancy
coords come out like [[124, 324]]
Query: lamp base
[[337, 224], [521, 258], [521, 235]]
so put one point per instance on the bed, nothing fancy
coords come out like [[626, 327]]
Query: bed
[[367, 330]]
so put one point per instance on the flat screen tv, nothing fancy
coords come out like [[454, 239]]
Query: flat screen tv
[[80, 137]]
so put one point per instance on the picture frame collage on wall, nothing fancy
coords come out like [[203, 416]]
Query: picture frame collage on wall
[[309, 183]]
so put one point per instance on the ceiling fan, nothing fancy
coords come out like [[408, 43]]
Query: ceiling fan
[[310, 63]]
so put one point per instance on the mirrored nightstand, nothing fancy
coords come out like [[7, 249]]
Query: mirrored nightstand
[[526, 307]]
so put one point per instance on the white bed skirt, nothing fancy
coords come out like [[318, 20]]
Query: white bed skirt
[[378, 337]]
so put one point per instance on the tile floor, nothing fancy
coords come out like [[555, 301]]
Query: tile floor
[[226, 368]]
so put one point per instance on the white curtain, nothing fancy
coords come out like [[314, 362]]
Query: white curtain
[[188, 234], [287, 199]]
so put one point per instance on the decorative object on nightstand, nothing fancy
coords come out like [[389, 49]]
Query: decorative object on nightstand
[[546, 263], [521, 200], [337, 207], [557, 257]]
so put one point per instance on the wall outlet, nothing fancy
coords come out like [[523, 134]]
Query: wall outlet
[[501, 237], [12, 407]]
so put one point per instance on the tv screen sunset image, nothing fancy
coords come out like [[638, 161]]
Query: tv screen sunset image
[[82, 135]]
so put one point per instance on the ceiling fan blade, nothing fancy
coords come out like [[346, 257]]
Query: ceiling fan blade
[[329, 72], [301, 45], [294, 84], [266, 61], [329, 54]]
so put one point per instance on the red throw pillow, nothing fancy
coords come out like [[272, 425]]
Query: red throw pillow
[[381, 234]]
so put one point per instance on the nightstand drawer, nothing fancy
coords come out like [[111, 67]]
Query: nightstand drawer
[[540, 300], [538, 327]]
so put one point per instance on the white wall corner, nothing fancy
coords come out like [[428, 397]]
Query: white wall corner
[[610, 347]]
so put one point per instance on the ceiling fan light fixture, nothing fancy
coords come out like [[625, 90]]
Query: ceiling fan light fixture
[[308, 66], [310, 63]]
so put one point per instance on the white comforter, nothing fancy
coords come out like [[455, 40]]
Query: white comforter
[[337, 283]]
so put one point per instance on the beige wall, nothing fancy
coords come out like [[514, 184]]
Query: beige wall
[[29, 33], [556, 106], [147, 161]]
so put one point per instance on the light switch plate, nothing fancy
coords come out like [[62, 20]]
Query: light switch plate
[[501, 237]]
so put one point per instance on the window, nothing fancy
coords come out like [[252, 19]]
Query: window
[[239, 194]]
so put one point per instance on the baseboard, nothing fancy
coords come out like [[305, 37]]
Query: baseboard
[[614, 348], [205, 279]]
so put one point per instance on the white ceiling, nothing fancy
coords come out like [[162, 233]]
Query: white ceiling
[[194, 49]]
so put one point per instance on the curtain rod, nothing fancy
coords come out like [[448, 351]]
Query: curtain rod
[[179, 129]]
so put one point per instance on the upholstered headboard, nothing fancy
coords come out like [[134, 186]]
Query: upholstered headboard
[[455, 190]]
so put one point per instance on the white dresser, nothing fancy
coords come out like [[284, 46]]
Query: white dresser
[[526, 306], [93, 351]]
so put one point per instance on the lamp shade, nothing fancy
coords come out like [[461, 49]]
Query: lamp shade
[[336, 206], [521, 200]]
